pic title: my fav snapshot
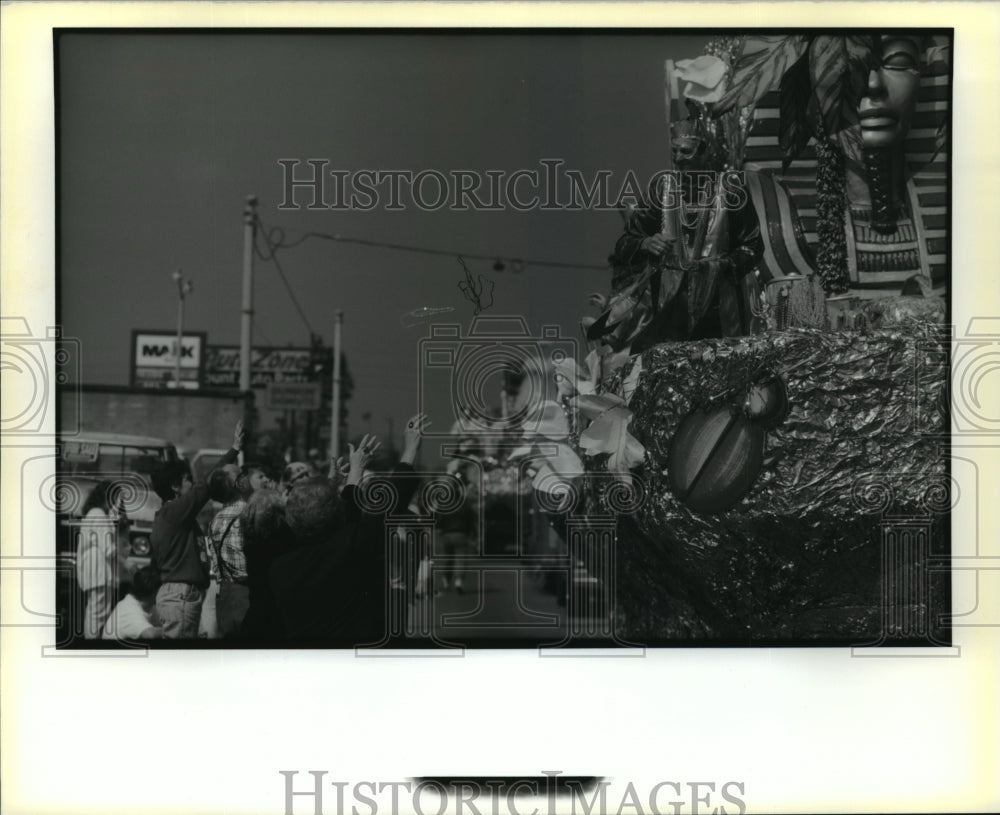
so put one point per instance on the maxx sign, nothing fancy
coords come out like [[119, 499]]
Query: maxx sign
[[154, 359]]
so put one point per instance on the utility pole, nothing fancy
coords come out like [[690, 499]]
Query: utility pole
[[184, 287], [338, 321], [246, 317]]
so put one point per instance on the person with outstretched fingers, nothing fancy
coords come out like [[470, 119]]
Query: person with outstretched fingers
[[176, 547]]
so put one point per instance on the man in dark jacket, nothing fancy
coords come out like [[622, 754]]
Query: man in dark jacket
[[333, 588], [176, 550]]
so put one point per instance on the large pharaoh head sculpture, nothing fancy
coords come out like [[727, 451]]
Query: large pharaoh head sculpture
[[890, 96]]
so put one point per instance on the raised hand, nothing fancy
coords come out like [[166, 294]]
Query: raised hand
[[412, 433], [359, 457], [238, 435], [339, 469], [655, 244], [598, 300]]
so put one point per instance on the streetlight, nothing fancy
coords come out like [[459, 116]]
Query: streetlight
[[184, 287]]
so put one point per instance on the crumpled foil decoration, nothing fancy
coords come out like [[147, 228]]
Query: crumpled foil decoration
[[799, 559], [885, 311]]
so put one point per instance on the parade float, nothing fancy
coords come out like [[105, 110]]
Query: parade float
[[790, 484]]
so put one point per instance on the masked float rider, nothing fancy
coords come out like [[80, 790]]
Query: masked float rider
[[681, 267]]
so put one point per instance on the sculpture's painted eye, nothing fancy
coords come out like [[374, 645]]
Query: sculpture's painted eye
[[899, 61]]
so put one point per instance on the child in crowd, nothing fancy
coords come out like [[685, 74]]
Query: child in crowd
[[134, 618]]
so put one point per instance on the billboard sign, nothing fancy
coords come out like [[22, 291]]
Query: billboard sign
[[267, 365], [154, 358], [293, 396]]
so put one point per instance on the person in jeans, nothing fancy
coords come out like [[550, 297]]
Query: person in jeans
[[226, 552], [176, 553], [248, 479]]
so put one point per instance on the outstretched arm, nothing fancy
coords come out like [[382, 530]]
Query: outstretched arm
[[402, 478], [192, 503], [357, 462], [412, 433], [358, 458], [340, 468], [406, 482]]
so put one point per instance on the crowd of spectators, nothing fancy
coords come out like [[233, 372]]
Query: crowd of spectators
[[296, 556]]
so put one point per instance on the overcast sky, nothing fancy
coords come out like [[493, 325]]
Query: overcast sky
[[162, 136]]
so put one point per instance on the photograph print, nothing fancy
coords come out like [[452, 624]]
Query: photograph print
[[435, 339]]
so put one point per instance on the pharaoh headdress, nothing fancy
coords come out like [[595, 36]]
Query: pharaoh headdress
[[798, 96]]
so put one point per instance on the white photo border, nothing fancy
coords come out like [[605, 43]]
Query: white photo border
[[805, 730]]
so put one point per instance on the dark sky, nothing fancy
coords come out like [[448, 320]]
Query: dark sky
[[163, 135]]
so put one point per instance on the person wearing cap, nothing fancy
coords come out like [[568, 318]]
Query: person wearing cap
[[295, 472], [253, 477]]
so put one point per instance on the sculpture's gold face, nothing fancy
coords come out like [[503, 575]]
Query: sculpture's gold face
[[687, 149], [890, 98]]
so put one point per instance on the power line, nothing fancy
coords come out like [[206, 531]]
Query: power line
[[273, 257], [263, 334], [276, 239]]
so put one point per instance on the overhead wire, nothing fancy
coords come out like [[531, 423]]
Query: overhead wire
[[263, 334], [276, 238], [272, 255]]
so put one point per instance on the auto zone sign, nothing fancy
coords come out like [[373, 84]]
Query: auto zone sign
[[154, 359], [267, 366]]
